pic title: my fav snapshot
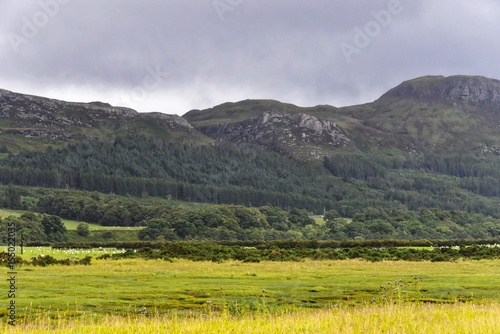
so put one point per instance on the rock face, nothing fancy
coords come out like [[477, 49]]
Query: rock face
[[290, 134], [439, 114], [28, 110], [470, 89], [173, 121], [54, 121], [432, 113]]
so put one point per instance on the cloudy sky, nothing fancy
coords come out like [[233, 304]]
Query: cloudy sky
[[176, 55]]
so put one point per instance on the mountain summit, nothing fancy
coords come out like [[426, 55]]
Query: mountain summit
[[468, 89], [435, 113], [32, 123], [431, 113]]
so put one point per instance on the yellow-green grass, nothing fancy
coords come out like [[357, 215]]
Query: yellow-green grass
[[319, 220], [185, 287], [415, 318], [7, 212], [72, 225]]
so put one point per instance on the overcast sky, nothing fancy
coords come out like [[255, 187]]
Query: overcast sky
[[176, 55]]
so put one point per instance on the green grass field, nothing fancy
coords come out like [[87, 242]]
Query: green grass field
[[181, 296], [111, 286], [71, 225], [319, 220], [6, 212]]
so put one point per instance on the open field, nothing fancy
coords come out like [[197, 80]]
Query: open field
[[7, 212], [123, 286], [61, 254], [182, 296], [318, 220], [71, 225]]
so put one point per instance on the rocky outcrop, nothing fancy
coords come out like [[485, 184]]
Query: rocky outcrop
[[40, 118], [432, 113], [470, 89], [292, 134], [173, 121], [28, 110]]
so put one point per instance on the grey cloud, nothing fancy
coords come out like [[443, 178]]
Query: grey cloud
[[283, 49]]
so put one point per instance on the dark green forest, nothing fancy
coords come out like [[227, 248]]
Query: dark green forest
[[251, 176], [226, 173], [253, 194], [170, 221]]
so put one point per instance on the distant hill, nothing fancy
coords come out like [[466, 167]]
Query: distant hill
[[438, 113], [31, 123], [433, 113], [429, 142]]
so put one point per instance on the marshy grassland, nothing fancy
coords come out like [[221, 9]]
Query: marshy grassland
[[348, 296]]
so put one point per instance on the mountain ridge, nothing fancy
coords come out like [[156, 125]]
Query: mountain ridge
[[30, 122], [402, 150], [433, 113], [429, 113]]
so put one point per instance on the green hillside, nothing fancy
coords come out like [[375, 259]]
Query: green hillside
[[449, 114], [431, 143], [32, 123]]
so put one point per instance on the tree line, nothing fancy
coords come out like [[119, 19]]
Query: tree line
[[452, 181], [143, 166], [247, 175], [169, 221]]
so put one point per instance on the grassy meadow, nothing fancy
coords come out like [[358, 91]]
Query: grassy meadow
[[181, 296], [7, 212], [347, 296]]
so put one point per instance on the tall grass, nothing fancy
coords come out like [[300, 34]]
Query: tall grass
[[181, 296], [411, 318]]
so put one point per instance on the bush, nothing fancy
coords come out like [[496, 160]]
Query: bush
[[85, 261], [83, 230], [107, 235]]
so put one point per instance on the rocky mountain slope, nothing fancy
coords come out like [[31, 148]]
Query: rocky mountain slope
[[439, 113], [300, 135], [433, 113], [31, 122], [425, 143]]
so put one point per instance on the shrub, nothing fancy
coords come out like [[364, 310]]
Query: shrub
[[83, 229]]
